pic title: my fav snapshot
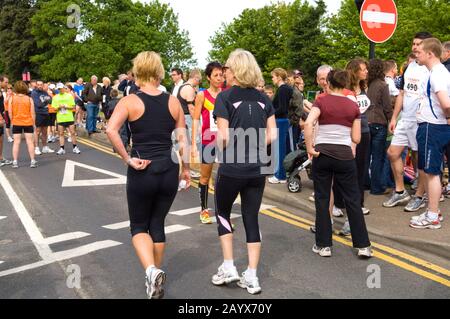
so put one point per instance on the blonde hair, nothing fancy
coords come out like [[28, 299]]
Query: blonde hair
[[107, 80], [433, 45], [245, 68], [195, 72], [281, 73], [148, 67]]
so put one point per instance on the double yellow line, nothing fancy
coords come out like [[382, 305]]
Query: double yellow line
[[390, 255]]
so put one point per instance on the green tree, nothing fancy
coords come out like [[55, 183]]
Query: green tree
[[16, 42]]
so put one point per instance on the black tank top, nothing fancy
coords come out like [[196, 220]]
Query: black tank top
[[152, 132], [184, 102]]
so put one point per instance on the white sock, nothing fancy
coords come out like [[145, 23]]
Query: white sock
[[148, 271], [250, 273], [228, 264], [433, 216]]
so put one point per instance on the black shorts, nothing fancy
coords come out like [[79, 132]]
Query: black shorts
[[66, 124], [42, 120], [22, 129], [52, 119], [1, 130]]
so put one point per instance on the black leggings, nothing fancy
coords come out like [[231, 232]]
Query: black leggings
[[150, 196], [325, 169], [362, 155], [251, 191]]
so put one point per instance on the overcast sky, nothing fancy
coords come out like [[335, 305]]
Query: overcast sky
[[201, 18]]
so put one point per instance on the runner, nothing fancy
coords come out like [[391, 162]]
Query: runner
[[153, 177], [405, 131], [80, 108], [41, 101], [52, 115], [433, 133], [204, 106], [64, 103], [21, 109], [241, 107]]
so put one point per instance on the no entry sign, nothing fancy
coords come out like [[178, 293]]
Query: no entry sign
[[378, 19]]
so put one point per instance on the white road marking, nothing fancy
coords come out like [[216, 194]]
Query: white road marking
[[186, 212], [29, 224], [378, 17], [65, 237], [175, 228], [69, 176], [63, 255], [118, 225], [1, 262], [264, 207], [2, 217]]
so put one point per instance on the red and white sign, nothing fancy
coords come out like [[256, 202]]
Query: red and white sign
[[378, 19]]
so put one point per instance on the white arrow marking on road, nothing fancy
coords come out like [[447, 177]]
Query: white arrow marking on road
[[63, 255], [69, 176], [378, 17], [65, 237], [2, 217], [24, 216]]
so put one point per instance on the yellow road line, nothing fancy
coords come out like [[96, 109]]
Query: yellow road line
[[305, 224], [389, 250], [377, 254]]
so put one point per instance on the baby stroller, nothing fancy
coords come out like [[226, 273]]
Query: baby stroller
[[294, 163]]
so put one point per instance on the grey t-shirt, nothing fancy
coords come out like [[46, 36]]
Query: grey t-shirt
[[247, 111]]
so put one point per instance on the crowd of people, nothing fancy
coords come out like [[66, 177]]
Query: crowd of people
[[365, 125]]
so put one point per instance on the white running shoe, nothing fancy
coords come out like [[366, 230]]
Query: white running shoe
[[425, 222], [194, 174], [365, 252], [53, 139], [15, 164], [76, 150], [322, 251], [69, 139], [10, 139], [365, 211], [37, 151], [251, 284], [337, 212], [47, 150], [61, 152], [154, 284], [224, 276], [312, 198], [33, 164], [274, 180]]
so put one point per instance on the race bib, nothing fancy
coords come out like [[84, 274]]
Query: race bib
[[412, 86], [63, 110], [363, 103]]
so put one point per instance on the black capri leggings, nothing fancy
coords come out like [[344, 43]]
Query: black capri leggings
[[251, 190], [150, 196]]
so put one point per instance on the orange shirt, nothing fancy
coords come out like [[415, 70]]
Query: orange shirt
[[50, 109], [21, 111]]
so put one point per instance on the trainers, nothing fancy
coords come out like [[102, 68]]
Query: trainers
[[225, 276], [365, 252], [37, 151], [345, 231], [251, 284], [154, 284], [337, 212], [10, 139], [322, 251], [76, 150], [441, 217], [61, 152], [50, 139], [53, 139], [274, 180], [33, 164], [194, 174], [4, 162], [425, 222], [69, 139], [397, 199], [311, 198], [365, 211], [205, 218], [47, 150], [415, 204], [15, 164]]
